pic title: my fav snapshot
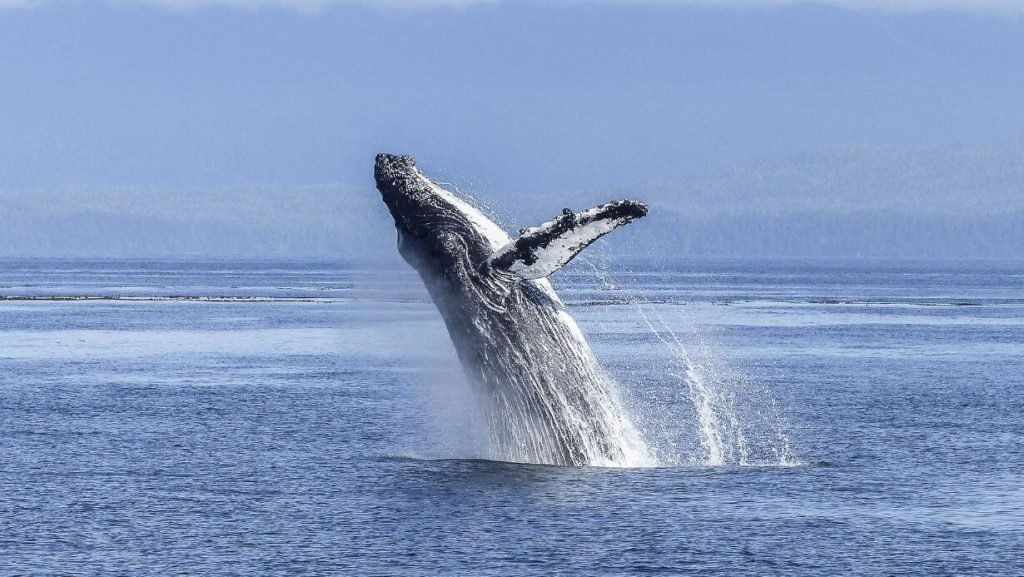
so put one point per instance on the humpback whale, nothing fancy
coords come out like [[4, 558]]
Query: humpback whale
[[545, 397]]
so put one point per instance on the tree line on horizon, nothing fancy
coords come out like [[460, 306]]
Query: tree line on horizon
[[884, 203]]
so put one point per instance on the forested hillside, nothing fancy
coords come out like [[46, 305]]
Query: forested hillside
[[952, 202]]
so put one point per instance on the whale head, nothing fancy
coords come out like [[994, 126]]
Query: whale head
[[437, 231]]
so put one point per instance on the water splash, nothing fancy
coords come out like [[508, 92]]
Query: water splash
[[734, 421], [535, 380], [565, 410], [738, 422]]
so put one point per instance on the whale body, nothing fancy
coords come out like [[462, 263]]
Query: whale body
[[545, 397]]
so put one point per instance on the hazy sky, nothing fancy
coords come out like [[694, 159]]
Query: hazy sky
[[499, 95]]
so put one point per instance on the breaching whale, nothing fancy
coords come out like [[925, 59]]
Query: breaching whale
[[545, 397]]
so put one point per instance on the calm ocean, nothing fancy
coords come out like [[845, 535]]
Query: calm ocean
[[302, 417]]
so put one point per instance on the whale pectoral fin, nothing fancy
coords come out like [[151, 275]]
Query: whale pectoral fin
[[541, 250]]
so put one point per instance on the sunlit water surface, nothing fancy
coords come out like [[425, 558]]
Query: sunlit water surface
[[304, 417]]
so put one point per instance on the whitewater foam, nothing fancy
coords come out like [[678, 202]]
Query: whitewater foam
[[736, 421]]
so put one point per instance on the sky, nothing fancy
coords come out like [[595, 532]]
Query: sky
[[513, 101], [503, 95]]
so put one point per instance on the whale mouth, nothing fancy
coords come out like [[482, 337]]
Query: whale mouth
[[415, 205], [396, 180], [392, 170]]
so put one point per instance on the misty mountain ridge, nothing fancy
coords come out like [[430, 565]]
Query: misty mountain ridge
[[941, 180], [246, 221], [941, 202]]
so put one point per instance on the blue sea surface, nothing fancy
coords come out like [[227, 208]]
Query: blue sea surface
[[303, 417]]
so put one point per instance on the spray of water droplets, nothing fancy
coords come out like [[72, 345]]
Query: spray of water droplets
[[699, 410]]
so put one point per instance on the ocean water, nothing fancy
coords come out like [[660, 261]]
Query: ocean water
[[299, 417]]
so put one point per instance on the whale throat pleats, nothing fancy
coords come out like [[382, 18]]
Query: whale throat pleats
[[541, 250]]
